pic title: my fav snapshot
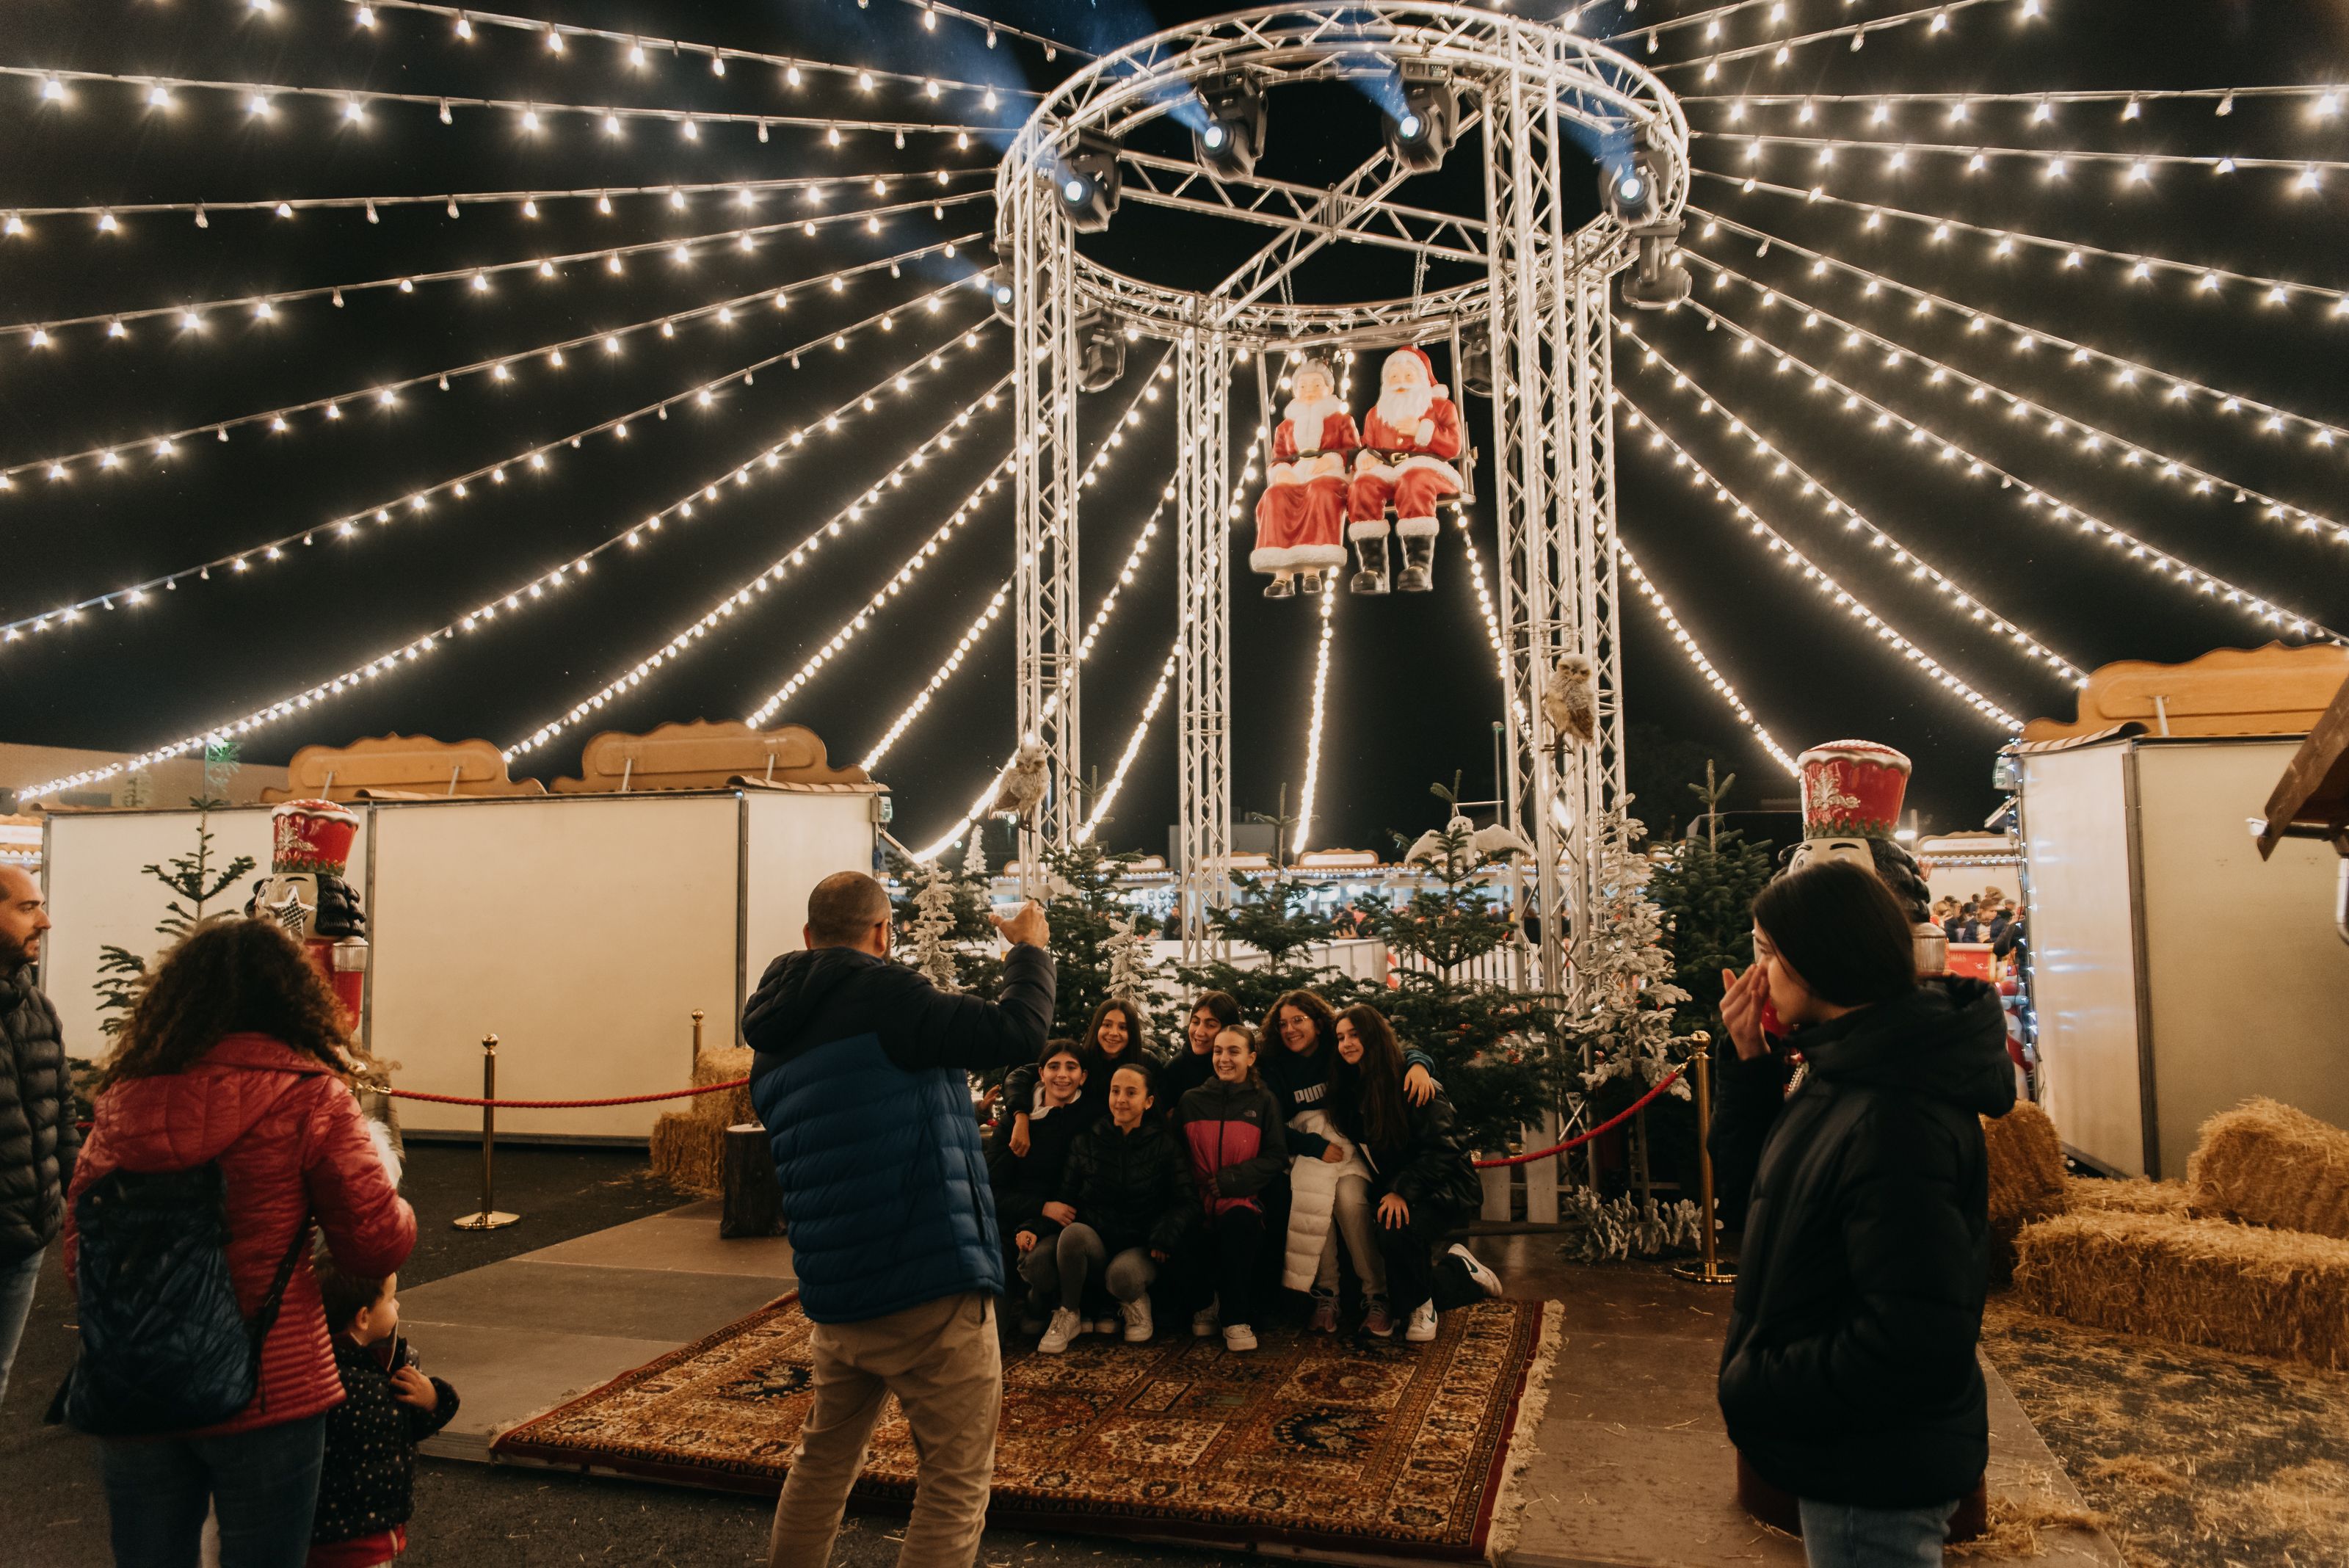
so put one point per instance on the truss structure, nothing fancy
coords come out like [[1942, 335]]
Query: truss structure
[[1540, 95]]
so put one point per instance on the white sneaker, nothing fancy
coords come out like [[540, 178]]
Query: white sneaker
[[1202, 1322], [1486, 1279], [1240, 1336], [1065, 1326], [1139, 1328], [1422, 1326]]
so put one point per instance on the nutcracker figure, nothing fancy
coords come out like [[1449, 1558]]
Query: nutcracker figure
[[1852, 792], [1409, 441], [1299, 515], [305, 893]]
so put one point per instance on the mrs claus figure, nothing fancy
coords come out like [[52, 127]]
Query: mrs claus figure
[[1408, 441], [1298, 516]]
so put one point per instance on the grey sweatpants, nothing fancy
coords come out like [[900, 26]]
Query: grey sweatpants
[[1078, 1254]]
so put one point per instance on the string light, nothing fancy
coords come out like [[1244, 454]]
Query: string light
[[1781, 51], [1785, 468], [2225, 97], [2093, 438], [1710, 18], [1050, 45], [420, 499], [1696, 657], [1313, 727], [938, 678], [2052, 160], [1826, 583], [1108, 793], [2157, 560], [612, 255]]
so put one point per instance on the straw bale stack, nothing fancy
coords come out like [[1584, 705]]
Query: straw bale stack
[[2268, 1164], [2199, 1282], [723, 1065], [2026, 1180], [691, 1152], [2136, 1195]]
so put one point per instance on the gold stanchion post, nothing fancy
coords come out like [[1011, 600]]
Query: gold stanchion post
[[488, 1218], [1708, 1270], [695, 1065]]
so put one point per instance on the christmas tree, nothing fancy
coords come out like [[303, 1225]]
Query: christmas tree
[[1706, 886], [1090, 918], [930, 933], [1275, 917], [192, 878], [1624, 1021]]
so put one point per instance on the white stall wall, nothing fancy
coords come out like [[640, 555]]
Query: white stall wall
[[790, 842], [98, 895], [580, 931], [2248, 981], [2076, 842]]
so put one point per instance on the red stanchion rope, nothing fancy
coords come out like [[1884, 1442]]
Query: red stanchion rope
[[1610, 1124], [566, 1105]]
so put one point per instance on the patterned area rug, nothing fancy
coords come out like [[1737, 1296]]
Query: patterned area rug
[[1380, 1448]]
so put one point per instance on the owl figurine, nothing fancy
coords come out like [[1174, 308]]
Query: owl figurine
[[1023, 783], [1569, 703]]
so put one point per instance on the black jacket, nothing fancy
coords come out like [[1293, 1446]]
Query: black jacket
[[38, 1139], [1848, 1374], [1429, 1168], [1024, 1183], [368, 1484], [1182, 1073], [1134, 1187]]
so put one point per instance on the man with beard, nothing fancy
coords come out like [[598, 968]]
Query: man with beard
[[37, 1136], [1408, 443], [1304, 500]]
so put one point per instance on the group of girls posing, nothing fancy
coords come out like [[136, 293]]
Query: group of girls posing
[[1109, 1165]]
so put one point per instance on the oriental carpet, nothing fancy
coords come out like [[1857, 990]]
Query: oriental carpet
[[1375, 1447]]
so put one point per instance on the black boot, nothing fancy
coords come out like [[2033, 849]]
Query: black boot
[[1280, 587], [1312, 581], [1372, 554], [1418, 574]]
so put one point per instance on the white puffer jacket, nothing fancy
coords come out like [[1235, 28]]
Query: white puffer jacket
[[1313, 1199]]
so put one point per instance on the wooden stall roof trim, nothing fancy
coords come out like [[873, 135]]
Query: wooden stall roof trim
[[705, 755], [2314, 789], [401, 767], [2269, 690]]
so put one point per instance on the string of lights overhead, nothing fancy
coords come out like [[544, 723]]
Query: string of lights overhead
[[188, 317], [2176, 387], [932, 10], [2156, 560], [500, 368], [1936, 18], [2327, 102], [1710, 19], [1108, 795], [1688, 645], [2091, 440], [1824, 581], [939, 677], [2054, 163]]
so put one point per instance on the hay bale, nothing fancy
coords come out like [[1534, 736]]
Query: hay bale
[[2266, 1164], [691, 1152], [723, 1065], [2197, 1282], [2026, 1180], [2134, 1195]]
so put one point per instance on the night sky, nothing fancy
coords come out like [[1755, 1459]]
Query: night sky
[[1412, 692]]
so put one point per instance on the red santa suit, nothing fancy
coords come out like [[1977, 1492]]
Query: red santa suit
[[1298, 517], [1408, 441]]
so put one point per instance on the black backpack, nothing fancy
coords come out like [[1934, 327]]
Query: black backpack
[[163, 1346]]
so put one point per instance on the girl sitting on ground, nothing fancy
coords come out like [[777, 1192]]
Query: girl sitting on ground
[[1420, 1175], [1231, 1128], [1215, 1011], [1028, 1182], [1116, 1036], [1130, 1204]]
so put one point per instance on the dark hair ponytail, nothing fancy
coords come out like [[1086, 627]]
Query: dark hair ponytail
[[1842, 930]]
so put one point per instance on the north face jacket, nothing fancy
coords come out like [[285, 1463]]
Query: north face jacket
[[38, 1139], [1238, 1146]]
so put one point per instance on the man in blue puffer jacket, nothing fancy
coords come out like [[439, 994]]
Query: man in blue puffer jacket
[[860, 1082]]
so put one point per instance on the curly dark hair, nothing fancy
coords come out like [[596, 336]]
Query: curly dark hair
[[231, 976], [1311, 1003]]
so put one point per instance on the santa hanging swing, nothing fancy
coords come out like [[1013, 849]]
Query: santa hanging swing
[[1297, 518], [1409, 441]]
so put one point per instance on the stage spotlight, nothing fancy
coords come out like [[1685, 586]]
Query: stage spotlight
[[1420, 136], [1631, 188], [999, 290], [1233, 138], [1100, 353], [1087, 182], [1477, 363], [1658, 280]]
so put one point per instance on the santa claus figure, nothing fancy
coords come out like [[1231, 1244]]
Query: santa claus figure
[[1408, 444], [1298, 516]]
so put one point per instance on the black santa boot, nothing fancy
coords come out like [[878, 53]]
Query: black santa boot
[[1418, 574], [1280, 586], [1370, 551]]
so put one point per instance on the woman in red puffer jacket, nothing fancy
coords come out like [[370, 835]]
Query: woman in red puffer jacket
[[235, 1053]]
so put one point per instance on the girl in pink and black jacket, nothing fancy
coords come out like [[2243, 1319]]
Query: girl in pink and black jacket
[[1231, 1128]]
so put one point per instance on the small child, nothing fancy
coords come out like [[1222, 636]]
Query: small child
[[366, 1490]]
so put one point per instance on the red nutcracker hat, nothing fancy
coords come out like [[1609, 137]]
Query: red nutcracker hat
[[312, 837], [1852, 789]]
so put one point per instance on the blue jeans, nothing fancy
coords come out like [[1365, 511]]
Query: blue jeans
[[264, 1484], [1840, 1535], [17, 1282]]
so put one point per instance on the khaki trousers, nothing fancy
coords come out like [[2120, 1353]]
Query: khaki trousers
[[942, 1362]]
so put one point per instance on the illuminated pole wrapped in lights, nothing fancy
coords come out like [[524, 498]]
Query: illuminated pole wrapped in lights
[[1313, 728]]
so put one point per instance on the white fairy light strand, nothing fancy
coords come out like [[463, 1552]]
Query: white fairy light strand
[[163, 445], [2054, 162], [1050, 45], [2094, 439], [1484, 606], [2141, 265], [1696, 658], [1108, 796], [1313, 728], [418, 501], [1710, 18], [639, 44], [1785, 468], [2179, 388], [1940, 673], [2160, 561], [2225, 96], [519, 597], [938, 678], [1935, 17], [681, 249]]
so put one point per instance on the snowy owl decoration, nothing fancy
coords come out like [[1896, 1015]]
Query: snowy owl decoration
[[1569, 703], [1023, 783], [1459, 838]]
